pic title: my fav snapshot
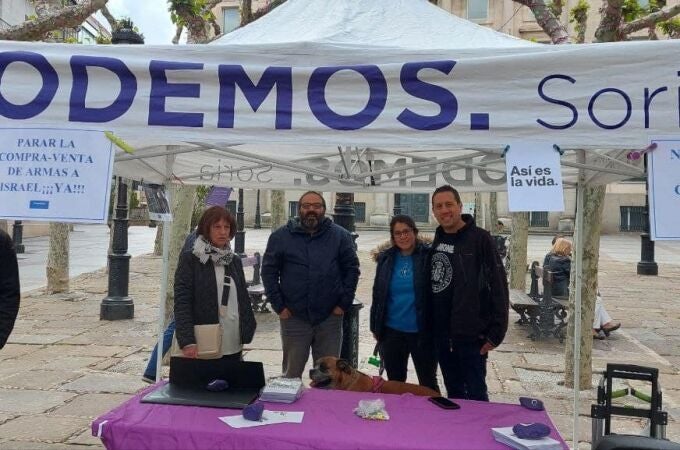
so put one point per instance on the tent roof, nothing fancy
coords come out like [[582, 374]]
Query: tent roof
[[406, 24]]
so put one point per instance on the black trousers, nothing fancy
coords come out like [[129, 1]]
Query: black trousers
[[396, 346], [463, 368]]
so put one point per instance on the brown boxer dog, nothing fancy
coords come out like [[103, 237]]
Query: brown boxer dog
[[330, 372]]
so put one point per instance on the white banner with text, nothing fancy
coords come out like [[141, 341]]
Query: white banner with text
[[664, 189], [534, 177]]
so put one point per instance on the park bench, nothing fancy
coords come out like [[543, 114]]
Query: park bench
[[545, 313], [255, 286]]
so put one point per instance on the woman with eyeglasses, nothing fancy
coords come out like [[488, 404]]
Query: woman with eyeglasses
[[398, 311]]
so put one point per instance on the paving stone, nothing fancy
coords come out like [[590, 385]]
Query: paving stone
[[31, 401], [36, 338], [90, 405], [72, 363], [38, 379], [4, 418], [105, 383], [15, 350], [85, 438], [28, 445], [43, 427], [10, 367]]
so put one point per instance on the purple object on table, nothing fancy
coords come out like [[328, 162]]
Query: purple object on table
[[328, 417], [217, 386], [253, 411], [531, 403], [531, 430]]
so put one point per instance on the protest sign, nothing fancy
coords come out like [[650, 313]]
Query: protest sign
[[55, 175], [664, 190], [534, 177]]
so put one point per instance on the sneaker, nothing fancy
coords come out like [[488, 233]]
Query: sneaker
[[149, 379], [611, 327], [599, 334]]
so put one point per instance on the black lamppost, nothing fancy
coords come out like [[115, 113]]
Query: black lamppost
[[18, 236], [258, 219], [117, 305], [647, 265], [240, 237], [343, 215]]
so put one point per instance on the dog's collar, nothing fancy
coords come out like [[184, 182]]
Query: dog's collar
[[377, 384]]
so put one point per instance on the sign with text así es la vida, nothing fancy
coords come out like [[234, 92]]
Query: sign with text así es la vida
[[534, 177]]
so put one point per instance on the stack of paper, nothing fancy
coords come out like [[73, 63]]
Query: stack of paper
[[283, 390], [507, 437]]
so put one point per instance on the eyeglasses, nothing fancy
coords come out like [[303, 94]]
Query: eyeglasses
[[402, 233], [311, 206]]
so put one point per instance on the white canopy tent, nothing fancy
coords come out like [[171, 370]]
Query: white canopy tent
[[352, 96]]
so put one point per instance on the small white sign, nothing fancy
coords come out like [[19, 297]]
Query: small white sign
[[55, 175], [534, 177], [268, 418], [663, 165]]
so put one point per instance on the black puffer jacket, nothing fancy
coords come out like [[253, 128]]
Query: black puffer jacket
[[480, 304], [560, 266], [381, 288], [310, 274], [9, 287], [196, 298]]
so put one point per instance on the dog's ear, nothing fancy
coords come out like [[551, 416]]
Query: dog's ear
[[344, 366]]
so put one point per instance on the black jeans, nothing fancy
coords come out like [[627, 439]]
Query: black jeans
[[463, 368], [396, 346]]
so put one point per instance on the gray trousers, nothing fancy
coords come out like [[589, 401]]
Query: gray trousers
[[297, 336]]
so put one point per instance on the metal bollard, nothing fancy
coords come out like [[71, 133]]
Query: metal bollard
[[350, 334]]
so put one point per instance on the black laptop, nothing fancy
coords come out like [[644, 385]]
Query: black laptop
[[190, 377]]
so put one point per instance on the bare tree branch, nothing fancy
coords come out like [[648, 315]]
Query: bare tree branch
[[109, 17], [650, 20], [547, 20], [67, 17]]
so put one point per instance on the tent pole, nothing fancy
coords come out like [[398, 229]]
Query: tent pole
[[578, 269], [169, 160]]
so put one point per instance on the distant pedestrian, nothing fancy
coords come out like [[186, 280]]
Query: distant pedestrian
[[310, 272], [10, 292]]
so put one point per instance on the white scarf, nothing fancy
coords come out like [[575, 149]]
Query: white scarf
[[204, 250]]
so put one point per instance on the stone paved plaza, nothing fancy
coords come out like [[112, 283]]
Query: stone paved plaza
[[62, 366]]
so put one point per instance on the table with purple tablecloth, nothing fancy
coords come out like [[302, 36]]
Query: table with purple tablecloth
[[329, 423]]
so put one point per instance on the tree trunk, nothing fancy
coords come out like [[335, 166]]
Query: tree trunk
[[57, 259], [4, 226], [479, 211], [182, 207], [593, 203], [278, 208], [493, 210], [246, 11], [518, 250], [158, 243]]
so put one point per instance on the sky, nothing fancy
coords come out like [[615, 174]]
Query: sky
[[150, 16]]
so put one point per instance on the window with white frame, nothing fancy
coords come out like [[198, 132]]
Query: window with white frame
[[477, 9], [231, 19]]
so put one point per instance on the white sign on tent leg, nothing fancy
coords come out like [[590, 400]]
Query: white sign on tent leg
[[55, 175], [664, 190], [534, 177]]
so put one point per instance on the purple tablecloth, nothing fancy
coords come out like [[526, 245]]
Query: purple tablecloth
[[329, 423]]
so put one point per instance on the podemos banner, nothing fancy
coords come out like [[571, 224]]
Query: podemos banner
[[55, 175]]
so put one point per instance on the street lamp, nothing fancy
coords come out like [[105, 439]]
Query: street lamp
[[258, 219], [647, 265], [117, 305], [240, 237]]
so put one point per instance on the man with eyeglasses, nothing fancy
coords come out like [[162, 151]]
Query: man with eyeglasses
[[310, 272]]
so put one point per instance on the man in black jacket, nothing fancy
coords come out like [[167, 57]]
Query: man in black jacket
[[310, 272], [469, 297], [9, 287]]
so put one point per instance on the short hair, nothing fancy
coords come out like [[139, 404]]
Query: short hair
[[406, 220], [323, 201], [213, 215], [555, 238], [447, 188], [561, 247]]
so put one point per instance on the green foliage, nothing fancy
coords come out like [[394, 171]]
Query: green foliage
[[555, 8], [102, 40], [179, 8], [632, 10], [671, 28], [579, 16]]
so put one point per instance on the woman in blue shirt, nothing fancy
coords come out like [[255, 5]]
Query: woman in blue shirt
[[398, 311]]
